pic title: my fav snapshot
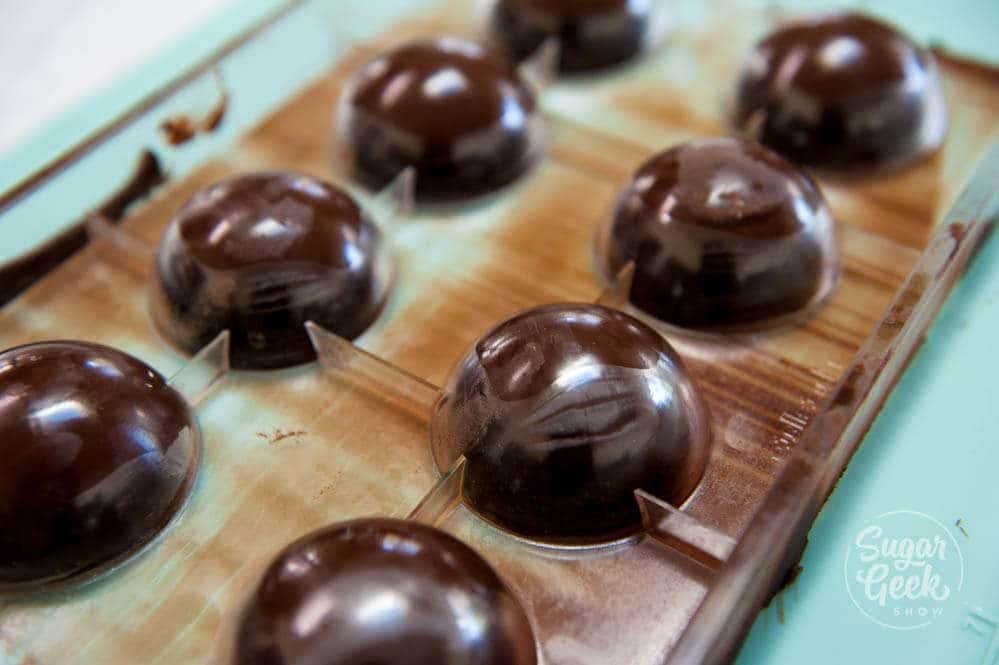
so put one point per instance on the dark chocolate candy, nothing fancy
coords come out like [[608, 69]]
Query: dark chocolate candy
[[260, 255], [724, 234], [461, 116], [842, 92], [592, 34], [98, 454], [382, 592], [561, 413]]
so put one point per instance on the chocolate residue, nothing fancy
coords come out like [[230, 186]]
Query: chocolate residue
[[789, 578], [181, 128], [279, 435], [848, 390], [792, 576], [958, 232], [213, 120], [21, 273], [902, 308], [328, 487], [913, 293]]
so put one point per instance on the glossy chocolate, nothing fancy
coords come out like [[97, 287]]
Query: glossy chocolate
[[843, 92], [98, 455], [561, 413], [382, 592], [592, 34], [260, 255], [723, 234], [461, 116]]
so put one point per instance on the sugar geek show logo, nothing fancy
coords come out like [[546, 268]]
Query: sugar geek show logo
[[901, 568]]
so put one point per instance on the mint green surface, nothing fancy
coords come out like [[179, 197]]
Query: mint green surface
[[933, 449]]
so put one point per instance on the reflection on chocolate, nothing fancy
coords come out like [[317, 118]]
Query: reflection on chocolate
[[461, 116], [561, 413], [723, 234], [260, 255], [98, 455], [842, 92], [592, 34], [382, 592]]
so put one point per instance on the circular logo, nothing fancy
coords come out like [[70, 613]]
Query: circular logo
[[902, 568]]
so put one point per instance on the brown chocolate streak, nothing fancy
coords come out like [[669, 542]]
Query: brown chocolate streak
[[21, 273]]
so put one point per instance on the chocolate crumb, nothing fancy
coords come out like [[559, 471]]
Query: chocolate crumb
[[181, 128], [279, 435], [848, 391]]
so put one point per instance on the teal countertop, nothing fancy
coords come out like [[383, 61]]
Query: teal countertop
[[932, 450]]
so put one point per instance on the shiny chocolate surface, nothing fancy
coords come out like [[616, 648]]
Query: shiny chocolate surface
[[561, 413], [592, 34], [99, 454], [260, 254], [382, 592], [459, 115], [723, 234], [843, 92]]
